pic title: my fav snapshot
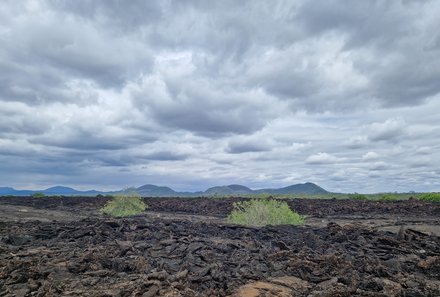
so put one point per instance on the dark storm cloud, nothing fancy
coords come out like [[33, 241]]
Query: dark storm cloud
[[116, 159], [16, 118], [22, 169], [91, 140], [44, 52], [212, 123], [83, 141], [110, 42], [294, 84], [391, 43], [201, 106], [372, 23], [27, 83]]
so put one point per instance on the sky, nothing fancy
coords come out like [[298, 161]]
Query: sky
[[192, 94]]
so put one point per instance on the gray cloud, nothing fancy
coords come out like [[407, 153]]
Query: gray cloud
[[378, 166], [18, 118], [99, 92], [390, 130], [323, 158], [369, 156], [127, 15], [239, 147], [357, 142], [202, 106], [165, 156], [44, 54]]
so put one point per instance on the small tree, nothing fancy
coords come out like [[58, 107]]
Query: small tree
[[262, 212], [127, 203]]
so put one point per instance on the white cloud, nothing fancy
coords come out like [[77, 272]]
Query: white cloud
[[369, 156], [378, 166], [323, 158], [390, 130], [357, 142], [424, 150]]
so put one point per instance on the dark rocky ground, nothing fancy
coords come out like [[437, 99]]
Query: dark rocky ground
[[222, 207], [184, 247]]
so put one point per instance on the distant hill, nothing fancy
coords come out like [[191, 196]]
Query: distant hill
[[12, 191], [57, 190], [156, 191], [306, 188], [60, 190], [228, 190], [162, 191]]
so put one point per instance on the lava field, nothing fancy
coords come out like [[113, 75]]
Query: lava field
[[177, 249]]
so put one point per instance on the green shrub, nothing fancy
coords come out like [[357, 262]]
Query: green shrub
[[357, 196], [124, 205], [431, 197], [262, 212], [38, 195]]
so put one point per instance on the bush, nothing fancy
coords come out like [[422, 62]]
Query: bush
[[431, 197], [38, 195], [262, 212], [124, 205]]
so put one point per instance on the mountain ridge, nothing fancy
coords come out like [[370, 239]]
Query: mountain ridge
[[164, 191]]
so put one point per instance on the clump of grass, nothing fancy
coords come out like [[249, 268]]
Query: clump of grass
[[262, 212], [431, 197], [124, 205]]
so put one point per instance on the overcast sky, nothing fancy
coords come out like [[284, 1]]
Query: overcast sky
[[191, 94]]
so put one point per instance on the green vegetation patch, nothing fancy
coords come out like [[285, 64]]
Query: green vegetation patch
[[380, 196], [38, 195], [262, 212], [357, 196], [389, 197], [431, 197], [124, 205]]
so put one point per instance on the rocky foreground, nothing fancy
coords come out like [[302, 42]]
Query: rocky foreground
[[64, 247], [142, 257]]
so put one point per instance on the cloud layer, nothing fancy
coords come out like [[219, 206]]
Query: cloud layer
[[191, 94]]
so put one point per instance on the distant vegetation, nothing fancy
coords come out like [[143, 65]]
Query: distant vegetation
[[127, 203], [354, 196], [38, 195], [378, 197], [390, 197], [262, 212], [357, 196], [432, 197]]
